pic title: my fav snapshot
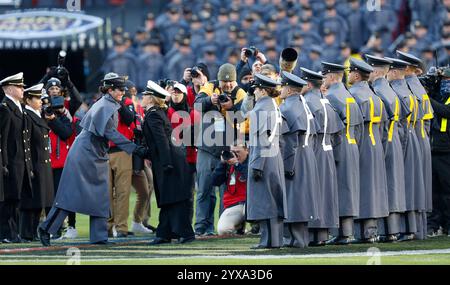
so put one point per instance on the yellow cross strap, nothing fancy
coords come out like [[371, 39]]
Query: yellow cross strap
[[394, 120], [373, 118], [348, 113], [444, 120]]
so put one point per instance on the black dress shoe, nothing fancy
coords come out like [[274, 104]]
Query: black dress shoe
[[317, 243], [186, 240], [44, 236], [158, 240], [341, 241]]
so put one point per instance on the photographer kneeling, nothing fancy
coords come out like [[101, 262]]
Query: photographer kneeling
[[232, 170]]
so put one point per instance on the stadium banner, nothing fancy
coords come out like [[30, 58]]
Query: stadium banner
[[33, 29]]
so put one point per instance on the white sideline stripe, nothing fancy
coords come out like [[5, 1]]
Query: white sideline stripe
[[95, 258]]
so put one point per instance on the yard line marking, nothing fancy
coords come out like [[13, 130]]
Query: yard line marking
[[39, 258]]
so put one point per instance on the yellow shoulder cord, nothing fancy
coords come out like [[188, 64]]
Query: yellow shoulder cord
[[348, 113], [416, 110], [394, 120], [373, 118], [411, 110], [444, 120]]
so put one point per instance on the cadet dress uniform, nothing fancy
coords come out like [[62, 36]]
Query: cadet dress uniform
[[329, 127], [346, 153], [424, 117], [300, 167], [42, 194], [266, 196], [84, 182], [16, 162], [393, 152], [373, 186], [413, 162]]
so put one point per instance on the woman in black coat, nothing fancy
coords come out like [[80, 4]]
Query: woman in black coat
[[41, 195], [170, 170]]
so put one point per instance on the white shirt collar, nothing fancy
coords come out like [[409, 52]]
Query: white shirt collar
[[33, 110], [15, 102]]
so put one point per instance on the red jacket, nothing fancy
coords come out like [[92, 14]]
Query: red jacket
[[177, 120], [59, 149], [236, 193], [122, 128]]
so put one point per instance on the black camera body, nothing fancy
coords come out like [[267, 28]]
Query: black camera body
[[432, 80], [227, 155], [50, 104], [251, 51], [223, 98], [195, 72], [166, 82], [61, 61]]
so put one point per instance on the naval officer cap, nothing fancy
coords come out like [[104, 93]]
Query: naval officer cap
[[262, 81], [377, 61], [34, 91], [411, 59], [397, 63], [154, 89], [328, 67], [360, 66], [289, 79], [16, 80], [311, 76]]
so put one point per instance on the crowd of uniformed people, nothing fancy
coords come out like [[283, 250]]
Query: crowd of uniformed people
[[308, 148]]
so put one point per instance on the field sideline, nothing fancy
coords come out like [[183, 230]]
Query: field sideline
[[218, 251]]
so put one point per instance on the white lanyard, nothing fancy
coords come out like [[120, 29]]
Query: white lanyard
[[309, 117], [278, 121], [324, 143]]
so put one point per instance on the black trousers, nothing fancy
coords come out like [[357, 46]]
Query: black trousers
[[174, 221], [57, 172], [440, 216], [9, 219], [29, 222]]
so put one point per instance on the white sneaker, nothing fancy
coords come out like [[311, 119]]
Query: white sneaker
[[71, 233], [139, 228]]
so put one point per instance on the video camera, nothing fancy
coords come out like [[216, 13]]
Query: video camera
[[50, 104], [251, 51]]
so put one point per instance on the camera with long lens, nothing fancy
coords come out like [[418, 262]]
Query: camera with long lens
[[195, 72], [227, 155], [251, 89], [61, 61], [251, 51], [50, 104], [223, 98]]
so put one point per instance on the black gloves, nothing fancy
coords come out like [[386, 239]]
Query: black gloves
[[168, 168], [5, 171], [289, 174], [257, 174], [141, 151]]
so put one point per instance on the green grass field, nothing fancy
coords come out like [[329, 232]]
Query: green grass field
[[218, 251]]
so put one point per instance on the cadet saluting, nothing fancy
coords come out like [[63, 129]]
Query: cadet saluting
[[373, 185], [300, 166], [84, 182], [266, 197], [345, 153]]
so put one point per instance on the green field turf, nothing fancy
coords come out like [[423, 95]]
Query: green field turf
[[224, 250]]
